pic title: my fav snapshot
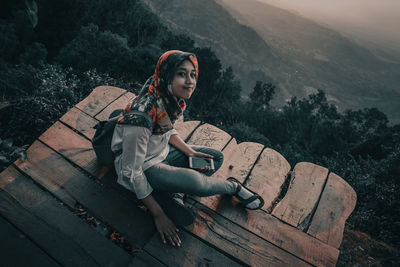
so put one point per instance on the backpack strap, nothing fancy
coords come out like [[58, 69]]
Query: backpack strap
[[141, 119]]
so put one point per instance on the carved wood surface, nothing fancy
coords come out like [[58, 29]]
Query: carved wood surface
[[210, 136], [268, 175], [305, 187], [80, 121], [99, 98], [27, 254], [119, 103], [337, 202], [58, 222], [63, 163]]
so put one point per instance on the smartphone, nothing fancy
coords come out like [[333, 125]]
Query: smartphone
[[200, 163]]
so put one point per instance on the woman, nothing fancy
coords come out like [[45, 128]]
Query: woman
[[153, 159]]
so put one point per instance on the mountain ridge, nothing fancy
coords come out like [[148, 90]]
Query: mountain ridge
[[314, 57]]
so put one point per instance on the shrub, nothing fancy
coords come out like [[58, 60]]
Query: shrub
[[244, 133]]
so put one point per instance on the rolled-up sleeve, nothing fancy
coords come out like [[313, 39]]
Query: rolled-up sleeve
[[134, 148], [171, 133]]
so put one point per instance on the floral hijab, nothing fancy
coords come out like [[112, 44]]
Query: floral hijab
[[156, 99]]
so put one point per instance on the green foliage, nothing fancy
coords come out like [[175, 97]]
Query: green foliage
[[16, 80], [262, 95], [32, 11], [92, 48], [8, 40], [35, 54], [56, 83], [78, 45], [215, 101], [244, 133], [9, 153]]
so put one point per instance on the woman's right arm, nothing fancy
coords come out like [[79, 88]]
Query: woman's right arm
[[134, 148], [164, 225]]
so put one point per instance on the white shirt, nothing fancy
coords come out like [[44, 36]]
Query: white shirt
[[140, 151]]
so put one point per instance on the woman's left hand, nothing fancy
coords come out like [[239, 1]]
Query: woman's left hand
[[197, 154]]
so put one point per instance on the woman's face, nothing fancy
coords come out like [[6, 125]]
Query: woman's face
[[184, 81]]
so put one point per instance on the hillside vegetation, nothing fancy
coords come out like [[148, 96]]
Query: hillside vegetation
[[78, 45], [299, 56]]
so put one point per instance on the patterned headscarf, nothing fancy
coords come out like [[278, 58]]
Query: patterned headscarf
[[155, 99]]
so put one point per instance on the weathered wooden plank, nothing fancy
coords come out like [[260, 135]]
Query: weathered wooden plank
[[264, 225], [53, 138], [238, 161], [226, 170], [43, 206], [268, 175], [99, 98], [302, 196], [57, 245], [80, 121], [337, 202], [144, 259], [185, 128], [192, 252], [17, 250], [210, 136], [120, 103], [278, 233], [242, 160], [241, 244], [55, 173], [73, 146]]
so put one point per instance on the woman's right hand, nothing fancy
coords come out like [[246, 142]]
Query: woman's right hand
[[167, 229]]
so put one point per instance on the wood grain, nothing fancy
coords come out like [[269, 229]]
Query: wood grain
[[185, 128], [278, 233], [99, 98], [56, 174], [44, 207], [209, 136], [242, 244], [238, 161], [337, 202], [18, 250], [73, 146], [144, 259], [229, 155], [253, 238], [192, 252], [268, 175], [302, 196], [119, 103], [58, 246], [242, 160], [80, 121]]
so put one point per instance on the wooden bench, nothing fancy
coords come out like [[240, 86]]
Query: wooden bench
[[38, 197]]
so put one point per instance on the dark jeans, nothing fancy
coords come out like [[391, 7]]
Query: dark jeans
[[174, 175]]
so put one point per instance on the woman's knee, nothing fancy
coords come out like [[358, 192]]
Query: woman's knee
[[195, 182]]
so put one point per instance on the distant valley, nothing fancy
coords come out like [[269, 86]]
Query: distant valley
[[262, 42]]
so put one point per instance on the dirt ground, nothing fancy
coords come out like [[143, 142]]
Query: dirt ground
[[359, 249]]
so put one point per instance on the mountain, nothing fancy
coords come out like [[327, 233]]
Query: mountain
[[210, 25], [262, 42]]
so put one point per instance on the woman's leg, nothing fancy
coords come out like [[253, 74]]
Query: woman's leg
[[164, 177], [178, 159], [179, 178]]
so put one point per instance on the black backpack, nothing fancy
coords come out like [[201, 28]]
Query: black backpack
[[102, 138]]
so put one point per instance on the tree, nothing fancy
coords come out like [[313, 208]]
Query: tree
[[262, 95]]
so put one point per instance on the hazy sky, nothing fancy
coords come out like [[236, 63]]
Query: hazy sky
[[375, 20]]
